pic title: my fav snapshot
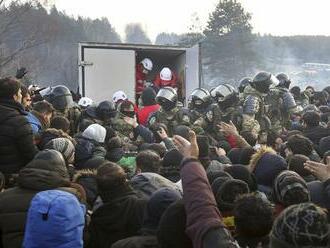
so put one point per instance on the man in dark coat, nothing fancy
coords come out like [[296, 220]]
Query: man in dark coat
[[16, 138], [46, 171], [121, 214]]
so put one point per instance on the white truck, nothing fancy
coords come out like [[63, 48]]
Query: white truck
[[106, 68]]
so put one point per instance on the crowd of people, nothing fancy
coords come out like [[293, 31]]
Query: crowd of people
[[246, 167]]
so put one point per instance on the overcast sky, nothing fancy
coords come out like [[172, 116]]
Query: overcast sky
[[277, 17]]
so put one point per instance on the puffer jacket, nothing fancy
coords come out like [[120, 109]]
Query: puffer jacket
[[15, 202], [16, 138]]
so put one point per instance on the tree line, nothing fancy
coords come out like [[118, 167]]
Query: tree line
[[45, 41]]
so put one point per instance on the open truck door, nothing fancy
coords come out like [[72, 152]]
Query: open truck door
[[192, 70], [104, 71]]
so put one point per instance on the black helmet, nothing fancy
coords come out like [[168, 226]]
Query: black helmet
[[126, 108], [167, 98], [262, 82], [105, 110], [284, 80], [60, 97], [243, 83], [200, 98]]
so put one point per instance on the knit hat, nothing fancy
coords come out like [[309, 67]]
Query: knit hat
[[241, 172], [219, 181], [64, 146], [172, 226], [290, 188], [301, 225], [228, 192], [148, 97], [95, 132], [172, 158], [156, 206], [49, 160]]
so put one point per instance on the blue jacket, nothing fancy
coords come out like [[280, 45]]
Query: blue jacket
[[34, 122]]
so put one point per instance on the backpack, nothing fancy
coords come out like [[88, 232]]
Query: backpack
[[55, 219]]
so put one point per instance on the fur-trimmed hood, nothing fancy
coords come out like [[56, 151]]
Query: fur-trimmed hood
[[266, 165], [84, 173], [257, 156]]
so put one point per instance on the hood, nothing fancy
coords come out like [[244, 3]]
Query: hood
[[266, 166], [84, 173], [95, 132]]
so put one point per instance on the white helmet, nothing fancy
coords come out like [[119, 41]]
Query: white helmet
[[119, 95], [85, 102], [166, 74], [147, 64]]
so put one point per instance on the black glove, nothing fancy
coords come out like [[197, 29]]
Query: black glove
[[20, 73]]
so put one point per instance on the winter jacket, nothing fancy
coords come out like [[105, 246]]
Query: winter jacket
[[204, 221], [118, 218], [34, 122], [87, 149], [15, 202], [145, 112], [16, 138], [87, 179], [145, 184]]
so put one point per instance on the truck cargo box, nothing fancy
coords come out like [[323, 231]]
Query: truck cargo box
[[106, 68]]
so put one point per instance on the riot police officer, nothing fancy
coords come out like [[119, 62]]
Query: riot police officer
[[281, 104], [170, 113], [254, 118], [205, 115], [228, 101], [61, 99]]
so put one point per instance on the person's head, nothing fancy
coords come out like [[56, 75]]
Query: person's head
[[61, 123], [301, 225], [110, 177], [298, 144], [311, 119], [275, 141], [126, 108], [172, 226], [289, 189], [148, 97], [64, 146], [45, 110], [10, 89], [156, 206], [253, 216], [296, 164], [146, 65], [228, 192], [155, 127], [95, 132], [26, 97], [148, 161], [167, 98]]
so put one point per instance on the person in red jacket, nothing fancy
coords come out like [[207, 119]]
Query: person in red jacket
[[166, 77], [142, 70], [149, 105]]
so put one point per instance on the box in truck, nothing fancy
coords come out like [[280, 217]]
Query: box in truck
[[106, 68]]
